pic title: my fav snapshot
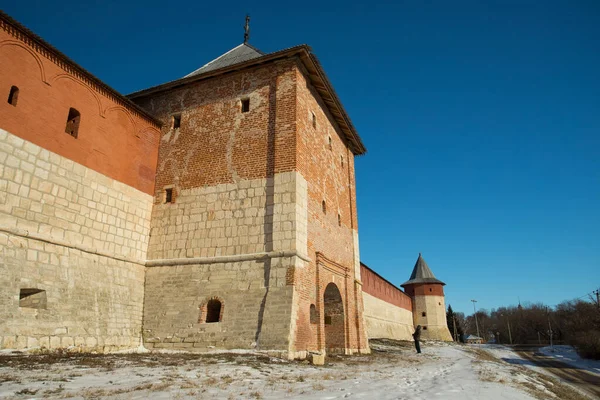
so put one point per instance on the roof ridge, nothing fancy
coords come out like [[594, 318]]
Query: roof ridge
[[244, 52], [212, 61], [255, 49]]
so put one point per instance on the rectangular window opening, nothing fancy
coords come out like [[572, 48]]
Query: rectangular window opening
[[13, 96], [176, 121], [73, 122], [168, 195], [245, 105], [33, 298]]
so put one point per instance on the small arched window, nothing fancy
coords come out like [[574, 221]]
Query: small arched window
[[342, 160], [213, 311], [73, 121], [13, 96], [324, 207], [314, 316], [330, 143], [339, 220]]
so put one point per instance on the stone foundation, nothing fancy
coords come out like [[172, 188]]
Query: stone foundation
[[255, 299]]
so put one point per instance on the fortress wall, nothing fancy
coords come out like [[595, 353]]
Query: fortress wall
[[77, 237], [388, 310], [385, 320]]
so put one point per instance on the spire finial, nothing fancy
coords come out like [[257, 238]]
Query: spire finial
[[419, 254], [247, 29]]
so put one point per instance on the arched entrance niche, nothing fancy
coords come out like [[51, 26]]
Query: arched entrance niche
[[335, 334]]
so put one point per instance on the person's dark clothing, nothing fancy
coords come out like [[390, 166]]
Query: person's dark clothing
[[417, 346], [417, 337]]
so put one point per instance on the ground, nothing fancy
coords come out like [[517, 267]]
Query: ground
[[392, 371]]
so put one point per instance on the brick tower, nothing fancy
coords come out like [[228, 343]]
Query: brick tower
[[254, 238], [429, 307]]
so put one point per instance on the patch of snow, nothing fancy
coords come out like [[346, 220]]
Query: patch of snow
[[440, 372], [568, 355]]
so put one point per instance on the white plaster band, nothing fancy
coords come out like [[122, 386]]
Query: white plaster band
[[225, 259], [155, 263], [47, 239]]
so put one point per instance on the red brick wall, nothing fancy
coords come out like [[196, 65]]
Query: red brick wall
[[113, 139], [217, 143], [330, 244], [376, 286], [425, 289]]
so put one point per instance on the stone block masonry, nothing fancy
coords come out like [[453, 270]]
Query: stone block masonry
[[79, 238], [253, 221], [245, 217], [256, 308], [385, 320]]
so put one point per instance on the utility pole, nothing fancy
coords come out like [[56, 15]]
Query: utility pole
[[454, 323], [549, 327], [597, 292], [475, 315]]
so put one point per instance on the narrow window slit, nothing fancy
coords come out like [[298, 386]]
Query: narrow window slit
[[169, 195], [33, 298], [245, 105], [13, 96], [73, 122], [176, 121]]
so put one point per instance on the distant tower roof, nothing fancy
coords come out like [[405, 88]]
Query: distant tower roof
[[421, 274], [239, 54]]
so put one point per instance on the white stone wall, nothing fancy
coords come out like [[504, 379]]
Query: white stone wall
[[233, 241], [246, 217], [78, 235], [44, 193], [434, 319], [385, 320]]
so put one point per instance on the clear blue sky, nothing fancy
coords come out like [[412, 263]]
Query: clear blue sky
[[481, 120]]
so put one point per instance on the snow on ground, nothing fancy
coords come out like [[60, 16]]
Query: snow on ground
[[568, 355], [393, 371]]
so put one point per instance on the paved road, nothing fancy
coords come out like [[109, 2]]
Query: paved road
[[582, 379]]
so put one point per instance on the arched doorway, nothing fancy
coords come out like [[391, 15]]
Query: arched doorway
[[335, 334]]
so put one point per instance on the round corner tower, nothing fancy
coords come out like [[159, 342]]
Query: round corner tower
[[428, 304]]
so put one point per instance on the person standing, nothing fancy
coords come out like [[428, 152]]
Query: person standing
[[417, 337]]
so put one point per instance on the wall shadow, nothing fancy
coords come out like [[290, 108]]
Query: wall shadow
[[269, 203]]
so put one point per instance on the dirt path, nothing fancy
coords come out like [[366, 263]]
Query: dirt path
[[582, 379]]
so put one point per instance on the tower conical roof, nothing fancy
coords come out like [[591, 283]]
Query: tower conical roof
[[422, 274], [238, 54]]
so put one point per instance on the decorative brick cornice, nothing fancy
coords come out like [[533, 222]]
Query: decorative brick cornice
[[20, 32]]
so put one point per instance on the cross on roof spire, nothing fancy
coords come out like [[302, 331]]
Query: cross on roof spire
[[247, 29]]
